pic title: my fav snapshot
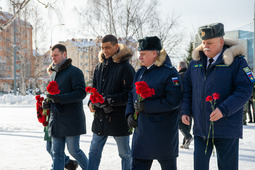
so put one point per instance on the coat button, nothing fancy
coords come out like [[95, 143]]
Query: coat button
[[98, 133], [103, 80]]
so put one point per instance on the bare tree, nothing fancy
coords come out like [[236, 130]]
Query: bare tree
[[122, 18], [20, 5], [130, 18], [27, 12]]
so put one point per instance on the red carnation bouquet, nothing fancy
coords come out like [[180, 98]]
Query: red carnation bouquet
[[95, 97], [143, 91], [41, 118], [52, 89], [212, 99]]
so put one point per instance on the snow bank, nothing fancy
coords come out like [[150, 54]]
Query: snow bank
[[11, 99]]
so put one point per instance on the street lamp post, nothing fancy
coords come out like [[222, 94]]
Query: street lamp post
[[14, 54], [52, 31]]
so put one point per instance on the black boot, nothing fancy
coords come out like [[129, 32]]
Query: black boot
[[72, 165]]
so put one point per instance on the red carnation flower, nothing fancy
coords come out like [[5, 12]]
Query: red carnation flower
[[209, 99], [93, 90], [101, 99], [216, 96], [45, 123], [37, 97], [143, 91], [95, 97], [88, 89], [211, 127], [52, 88]]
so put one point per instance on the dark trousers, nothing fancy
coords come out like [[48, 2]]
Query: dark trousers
[[145, 164], [185, 129], [227, 153], [250, 105]]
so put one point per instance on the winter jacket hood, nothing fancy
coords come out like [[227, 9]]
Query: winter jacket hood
[[124, 53], [235, 49]]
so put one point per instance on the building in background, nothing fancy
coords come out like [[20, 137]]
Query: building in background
[[84, 55], [24, 55], [42, 78]]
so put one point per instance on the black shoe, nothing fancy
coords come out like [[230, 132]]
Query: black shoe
[[186, 145], [72, 165]]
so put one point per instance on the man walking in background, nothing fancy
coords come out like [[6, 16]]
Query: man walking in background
[[185, 129]]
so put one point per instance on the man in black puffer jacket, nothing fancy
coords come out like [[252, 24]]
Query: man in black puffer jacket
[[113, 78]]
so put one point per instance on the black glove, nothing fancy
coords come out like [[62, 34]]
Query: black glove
[[131, 122], [139, 106], [106, 106], [45, 104], [108, 109], [53, 98], [107, 102]]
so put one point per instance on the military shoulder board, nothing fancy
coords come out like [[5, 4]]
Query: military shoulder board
[[249, 74], [168, 66]]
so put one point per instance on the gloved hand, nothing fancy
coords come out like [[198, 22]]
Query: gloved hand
[[107, 102], [131, 122], [108, 109], [45, 104], [54, 98], [139, 106]]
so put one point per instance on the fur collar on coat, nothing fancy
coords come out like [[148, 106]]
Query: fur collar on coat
[[63, 66], [161, 58], [124, 54], [235, 49]]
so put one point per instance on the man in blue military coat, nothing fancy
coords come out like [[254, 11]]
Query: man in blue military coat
[[218, 66], [156, 129]]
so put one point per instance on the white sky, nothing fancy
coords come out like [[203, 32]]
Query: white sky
[[192, 14]]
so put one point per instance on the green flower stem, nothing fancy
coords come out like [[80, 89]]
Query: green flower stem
[[213, 136], [208, 137], [211, 127]]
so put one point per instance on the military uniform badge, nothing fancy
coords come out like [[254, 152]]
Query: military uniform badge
[[175, 81], [249, 74]]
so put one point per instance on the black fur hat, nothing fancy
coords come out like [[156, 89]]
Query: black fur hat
[[150, 44], [211, 31]]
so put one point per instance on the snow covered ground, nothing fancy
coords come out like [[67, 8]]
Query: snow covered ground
[[22, 146]]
